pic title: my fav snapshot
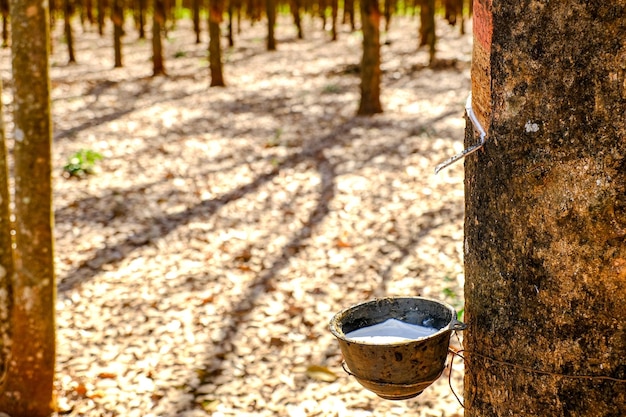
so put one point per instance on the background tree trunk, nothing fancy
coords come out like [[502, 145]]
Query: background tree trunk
[[428, 35], [545, 218], [370, 63], [4, 11], [270, 9], [158, 23], [117, 16], [389, 10], [101, 7], [348, 13], [68, 10], [334, 12], [7, 267], [216, 12], [141, 18], [29, 382], [195, 13], [295, 6]]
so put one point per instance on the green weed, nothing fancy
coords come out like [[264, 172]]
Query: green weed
[[81, 163]]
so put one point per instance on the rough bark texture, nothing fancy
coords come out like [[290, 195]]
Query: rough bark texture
[[29, 384], [546, 211], [370, 63]]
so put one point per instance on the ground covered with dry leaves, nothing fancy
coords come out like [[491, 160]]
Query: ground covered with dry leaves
[[198, 270]]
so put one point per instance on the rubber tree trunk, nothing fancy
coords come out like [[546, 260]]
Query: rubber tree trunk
[[295, 6], [27, 390], [7, 268], [370, 62], [117, 15], [158, 24], [545, 245], [428, 35], [67, 24], [195, 14], [101, 7], [216, 13], [4, 11], [334, 12], [141, 17], [270, 10], [348, 14]]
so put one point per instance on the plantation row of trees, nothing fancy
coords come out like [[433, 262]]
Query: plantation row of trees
[[161, 15]]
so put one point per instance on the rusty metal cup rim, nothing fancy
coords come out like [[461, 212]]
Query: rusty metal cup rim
[[453, 325]]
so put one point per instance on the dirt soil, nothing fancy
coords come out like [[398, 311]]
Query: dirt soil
[[199, 268]]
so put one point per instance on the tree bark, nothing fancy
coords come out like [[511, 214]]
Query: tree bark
[[158, 23], [4, 11], [101, 7], [195, 11], [545, 245], [117, 15], [216, 12], [334, 12], [28, 388], [67, 23], [370, 63], [348, 13], [270, 9], [7, 267], [428, 35], [295, 6], [141, 18]]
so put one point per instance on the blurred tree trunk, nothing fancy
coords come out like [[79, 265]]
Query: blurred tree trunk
[[454, 13], [296, 5], [88, 11], [270, 10], [348, 13], [68, 10], [322, 6], [428, 36], [216, 13], [158, 23], [334, 12], [7, 267], [101, 7], [117, 15], [230, 12], [4, 9], [195, 12], [370, 63], [28, 388], [545, 221], [141, 18], [389, 10]]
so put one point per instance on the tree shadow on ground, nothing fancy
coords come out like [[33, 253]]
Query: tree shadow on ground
[[170, 222]]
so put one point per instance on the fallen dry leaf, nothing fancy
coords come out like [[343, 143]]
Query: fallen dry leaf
[[321, 373]]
